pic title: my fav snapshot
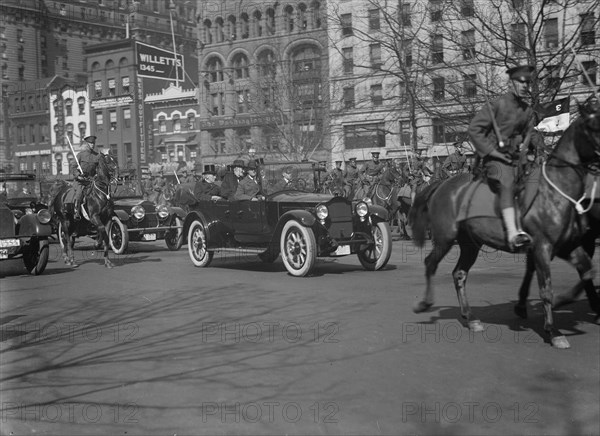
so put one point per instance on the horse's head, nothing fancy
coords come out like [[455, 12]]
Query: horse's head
[[108, 168]]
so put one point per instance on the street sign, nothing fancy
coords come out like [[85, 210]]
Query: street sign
[[158, 63]]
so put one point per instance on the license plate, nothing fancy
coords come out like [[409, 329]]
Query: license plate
[[9, 243], [3, 253], [342, 250], [149, 237]]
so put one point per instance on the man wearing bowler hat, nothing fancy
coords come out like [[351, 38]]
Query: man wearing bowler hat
[[88, 160], [232, 179], [249, 188], [497, 131]]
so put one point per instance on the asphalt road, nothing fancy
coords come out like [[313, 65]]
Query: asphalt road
[[157, 346]]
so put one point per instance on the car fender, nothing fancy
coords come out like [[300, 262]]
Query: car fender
[[378, 213], [212, 236], [174, 210], [302, 216], [122, 215], [29, 225]]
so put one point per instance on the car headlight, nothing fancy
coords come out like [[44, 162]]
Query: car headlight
[[362, 209], [44, 216], [138, 212], [322, 211], [28, 211], [162, 211]]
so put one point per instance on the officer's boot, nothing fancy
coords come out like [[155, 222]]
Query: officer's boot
[[516, 238]]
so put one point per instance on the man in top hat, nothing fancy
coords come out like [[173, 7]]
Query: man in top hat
[[206, 189], [232, 179], [497, 131], [249, 187], [88, 160], [351, 175], [454, 163]]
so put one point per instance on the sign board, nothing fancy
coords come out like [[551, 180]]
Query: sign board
[[112, 102], [158, 63]]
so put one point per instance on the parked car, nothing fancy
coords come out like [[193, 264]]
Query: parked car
[[299, 224], [24, 223], [139, 220]]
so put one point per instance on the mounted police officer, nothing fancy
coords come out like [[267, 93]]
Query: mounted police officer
[[351, 175], [454, 163], [497, 131], [88, 160], [372, 170]]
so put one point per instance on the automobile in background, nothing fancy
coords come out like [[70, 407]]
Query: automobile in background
[[298, 223], [140, 220], [24, 223]]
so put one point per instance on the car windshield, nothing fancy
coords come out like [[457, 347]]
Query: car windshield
[[301, 176], [127, 188], [19, 189]]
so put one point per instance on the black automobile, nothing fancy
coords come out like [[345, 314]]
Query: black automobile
[[24, 223], [140, 220], [298, 223]]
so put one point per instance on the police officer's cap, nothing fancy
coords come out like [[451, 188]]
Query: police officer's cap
[[91, 139], [251, 165], [352, 159], [338, 162], [238, 163], [375, 153], [520, 73]]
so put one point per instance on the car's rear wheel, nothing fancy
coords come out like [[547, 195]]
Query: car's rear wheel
[[375, 256], [35, 256], [174, 237], [298, 248], [199, 255], [118, 237]]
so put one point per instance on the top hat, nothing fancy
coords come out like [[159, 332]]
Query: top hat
[[251, 165], [238, 163], [91, 139], [520, 73]]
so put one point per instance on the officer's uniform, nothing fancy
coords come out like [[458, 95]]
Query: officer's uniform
[[372, 170], [88, 161], [351, 176], [147, 187], [159, 183], [454, 164]]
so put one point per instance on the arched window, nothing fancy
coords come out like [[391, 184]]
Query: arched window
[[245, 26], [81, 105], [232, 28], [215, 69], [289, 18], [162, 125], [267, 66], [58, 159], [176, 123], [257, 24], [207, 32], [95, 66], [302, 17], [270, 24], [240, 66], [69, 131], [191, 121], [109, 64], [82, 131], [316, 11], [219, 29], [68, 107]]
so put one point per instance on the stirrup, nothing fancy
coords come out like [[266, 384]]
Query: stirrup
[[521, 239]]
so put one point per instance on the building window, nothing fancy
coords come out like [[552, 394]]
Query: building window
[[349, 97], [551, 32], [125, 84], [437, 49], [407, 52], [127, 117], [553, 80], [438, 131], [435, 9], [404, 12], [82, 129], [215, 70], [267, 65], [217, 103], [98, 88], [374, 21], [112, 117], [176, 123], [99, 121], [68, 107], [32, 133], [306, 62], [307, 93], [128, 154], [346, 20], [348, 54], [470, 85], [162, 124], [439, 84], [20, 54], [375, 55], [81, 105], [240, 66], [588, 34], [113, 149], [191, 117], [243, 98], [405, 133], [43, 132], [20, 36], [231, 23], [519, 37], [591, 68], [316, 10], [468, 44], [245, 26], [467, 8], [112, 87], [218, 142], [364, 136], [302, 19], [376, 95], [270, 21], [21, 73], [289, 18], [69, 131]]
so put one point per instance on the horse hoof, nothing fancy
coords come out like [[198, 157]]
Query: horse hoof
[[421, 306], [109, 265], [476, 326], [521, 311], [560, 342]]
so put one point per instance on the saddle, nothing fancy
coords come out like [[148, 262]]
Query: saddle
[[476, 199]]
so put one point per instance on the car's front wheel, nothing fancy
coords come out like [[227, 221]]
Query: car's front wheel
[[375, 256], [199, 255], [298, 248], [174, 237], [118, 238], [35, 256]]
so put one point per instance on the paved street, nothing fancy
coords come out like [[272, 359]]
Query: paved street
[[157, 346]]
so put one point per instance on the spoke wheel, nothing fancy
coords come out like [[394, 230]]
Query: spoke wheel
[[298, 248], [199, 255], [375, 256], [174, 237], [118, 237]]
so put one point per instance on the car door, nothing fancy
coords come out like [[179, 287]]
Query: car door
[[248, 218]]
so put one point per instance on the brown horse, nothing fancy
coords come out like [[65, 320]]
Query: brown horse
[[552, 221], [98, 206]]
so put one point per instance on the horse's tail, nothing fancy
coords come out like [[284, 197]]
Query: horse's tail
[[418, 216]]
